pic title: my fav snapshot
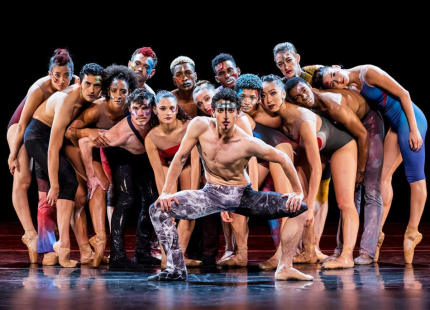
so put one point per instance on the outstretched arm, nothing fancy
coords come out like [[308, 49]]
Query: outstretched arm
[[378, 77], [155, 161]]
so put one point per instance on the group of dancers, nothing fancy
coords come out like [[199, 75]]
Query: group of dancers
[[252, 146]]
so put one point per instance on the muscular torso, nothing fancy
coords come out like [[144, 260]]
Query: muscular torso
[[70, 97], [189, 107], [224, 161], [355, 102], [121, 135], [107, 118]]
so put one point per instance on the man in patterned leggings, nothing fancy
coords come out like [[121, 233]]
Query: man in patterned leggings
[[225, 151]]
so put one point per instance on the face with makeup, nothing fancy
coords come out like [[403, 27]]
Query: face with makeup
[[226, 114], [272, 96], [335, 78], [91, 85], [184, 76], [288, 63], [166, 110], [302, 95], [143, 66], [60, 77], [227, 73], [249, 98], [203, 100], [118, 93], [140, 113]]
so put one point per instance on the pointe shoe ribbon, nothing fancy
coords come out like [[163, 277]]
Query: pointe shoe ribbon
[[30, 240], [87, 254], [64, 256], [412, 238], [98, 242], [240, 259]]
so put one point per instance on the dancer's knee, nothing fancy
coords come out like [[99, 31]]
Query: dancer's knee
[[69, 187]]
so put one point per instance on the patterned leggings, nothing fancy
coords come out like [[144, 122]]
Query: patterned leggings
[[212, 199]]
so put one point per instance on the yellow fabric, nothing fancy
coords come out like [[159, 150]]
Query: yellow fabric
[[322, 194], [308, 73]]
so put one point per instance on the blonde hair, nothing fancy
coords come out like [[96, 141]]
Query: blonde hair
[[181, 60]]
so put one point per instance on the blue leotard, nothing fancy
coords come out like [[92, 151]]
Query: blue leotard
[[392, 110]]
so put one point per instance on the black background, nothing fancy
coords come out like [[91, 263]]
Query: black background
[[393, 39]]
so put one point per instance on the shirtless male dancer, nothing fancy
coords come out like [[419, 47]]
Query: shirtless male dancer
[[225, 150], [43, 140], [349, 108], [104, 113], [143, 63], [130, 167], [60, 75], [226, 71]]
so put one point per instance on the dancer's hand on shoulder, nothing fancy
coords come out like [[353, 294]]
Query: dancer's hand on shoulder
[[226, 217], [165, 202], [294, 201]]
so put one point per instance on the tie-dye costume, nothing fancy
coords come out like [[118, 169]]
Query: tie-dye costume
[[46, 214], [208, 200], [372, 188]]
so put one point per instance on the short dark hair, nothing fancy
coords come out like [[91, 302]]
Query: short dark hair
[[221, 58], [317, 78], [291, 83], [182, 116], [226, 94], [249, 81], [91, 69], [139, 95], [285, 46], [273, 78], [119, 72]]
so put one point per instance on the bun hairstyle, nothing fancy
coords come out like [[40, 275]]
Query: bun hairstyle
[[61, 57], [201, 85]]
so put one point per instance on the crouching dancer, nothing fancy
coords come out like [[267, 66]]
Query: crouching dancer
[[225, 150]]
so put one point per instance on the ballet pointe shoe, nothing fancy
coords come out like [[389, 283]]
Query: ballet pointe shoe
[[191, 262], [30, 240], [64, 256], [291, 274], [227, 255], [240, 259], [105, 260], [320, 255], [87, 254], [271, 263], [98, 242], [343, 261], [308, 256], [331, 257], [412, 238], [363, 259], [378, 246], [50, 259]]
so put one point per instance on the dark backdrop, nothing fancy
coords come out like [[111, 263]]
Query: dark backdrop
[[394, 41]]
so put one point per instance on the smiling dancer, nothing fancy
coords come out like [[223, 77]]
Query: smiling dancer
[[103, 114], [225, 150], [403, 142], [184, 77], [350, 109], [43, 140], [60, 75], [168, 128], [130, 166], [316, 134]]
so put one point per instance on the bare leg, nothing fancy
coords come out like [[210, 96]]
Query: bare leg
[[343, 163], [62, 246], [290, 237]]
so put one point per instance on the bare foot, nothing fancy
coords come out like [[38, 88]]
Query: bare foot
[[291, 274]]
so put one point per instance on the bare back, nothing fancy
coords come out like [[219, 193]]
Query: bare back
[[353, 100]]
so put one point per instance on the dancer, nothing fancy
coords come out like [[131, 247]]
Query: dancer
[[143, 63], [168, 128], [316, 134], [403, 142], [249, 88], [60, 75], [347, 107], [104, 113], [225, 150], [184, 77], [130, 166], [287, 59], [238, 226], [43, 140], [226, 71]]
